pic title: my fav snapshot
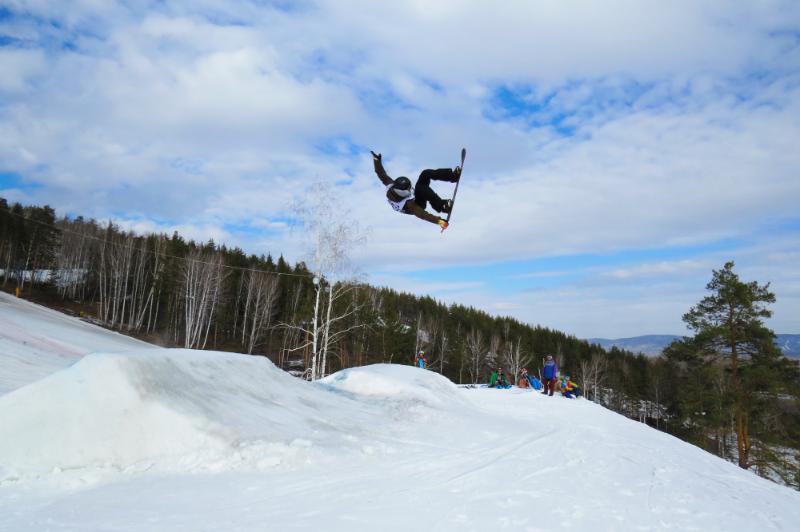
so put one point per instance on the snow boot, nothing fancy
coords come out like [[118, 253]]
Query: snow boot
[[447, 206]]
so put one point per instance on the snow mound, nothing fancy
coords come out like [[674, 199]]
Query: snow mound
[[36, 341], [397, 383], [173, 410]]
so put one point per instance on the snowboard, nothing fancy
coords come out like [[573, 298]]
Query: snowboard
[[449, 214]]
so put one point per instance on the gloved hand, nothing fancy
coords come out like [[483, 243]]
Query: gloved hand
[[376, 156], [443, 224]]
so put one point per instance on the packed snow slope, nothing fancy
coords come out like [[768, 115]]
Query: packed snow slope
[[36, 341], [168, 410], [183, 440]]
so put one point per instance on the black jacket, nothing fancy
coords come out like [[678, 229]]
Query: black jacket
[[411, 206]]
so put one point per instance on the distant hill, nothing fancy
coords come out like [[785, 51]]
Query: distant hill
[[653, 344], [650, 344], [789, 344]]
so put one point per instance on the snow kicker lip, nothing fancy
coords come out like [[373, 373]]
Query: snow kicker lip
[[393, 382], [169, 410]]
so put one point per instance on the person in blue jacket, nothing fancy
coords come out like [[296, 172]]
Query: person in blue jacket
[[420, 360], [549, 375]]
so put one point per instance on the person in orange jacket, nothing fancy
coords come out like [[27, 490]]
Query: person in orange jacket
[[523, 381]]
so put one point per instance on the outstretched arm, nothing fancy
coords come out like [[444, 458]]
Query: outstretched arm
[[382, 175]]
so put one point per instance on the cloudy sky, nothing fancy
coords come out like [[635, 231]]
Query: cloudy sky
[[618, 151]]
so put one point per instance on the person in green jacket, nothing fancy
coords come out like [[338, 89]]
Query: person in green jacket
[[498, 380]]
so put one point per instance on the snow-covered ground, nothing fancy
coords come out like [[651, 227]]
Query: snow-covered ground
[[180, 440], [36, 341]]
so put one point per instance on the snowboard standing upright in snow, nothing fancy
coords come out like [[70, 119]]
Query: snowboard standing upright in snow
[[403, 198]]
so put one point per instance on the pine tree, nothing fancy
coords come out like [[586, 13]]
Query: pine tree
[[728, 327]]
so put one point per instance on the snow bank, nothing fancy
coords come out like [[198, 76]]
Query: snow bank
[[174, 410], [36, 341], [396, 383]]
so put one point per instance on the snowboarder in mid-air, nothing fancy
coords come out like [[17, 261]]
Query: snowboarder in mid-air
[[403, 198]]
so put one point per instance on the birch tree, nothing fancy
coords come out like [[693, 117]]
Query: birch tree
[[203, 275], [592, 374], [476, 347], [116, 255], [437, 337], [260, 295], [74, 260], [515, 359], [292, 334], [493, 355], [331, 238]]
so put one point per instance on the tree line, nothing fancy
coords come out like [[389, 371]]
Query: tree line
[[726, 389]]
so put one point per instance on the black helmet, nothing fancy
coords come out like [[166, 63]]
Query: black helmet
[[402, 183]]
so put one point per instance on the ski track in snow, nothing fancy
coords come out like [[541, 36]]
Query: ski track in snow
[[180, 440]]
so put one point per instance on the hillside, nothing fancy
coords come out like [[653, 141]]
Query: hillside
[[653, 344], [174, 439]]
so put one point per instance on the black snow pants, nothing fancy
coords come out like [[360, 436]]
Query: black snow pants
[[423, 193]]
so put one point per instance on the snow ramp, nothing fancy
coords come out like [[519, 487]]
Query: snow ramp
[[172, 410], [181, 410], [397, 383]]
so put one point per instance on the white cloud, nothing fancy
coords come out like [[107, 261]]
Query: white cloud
[[210, 115], [18, 68], [417, 286], [659, 269], [198, 233]]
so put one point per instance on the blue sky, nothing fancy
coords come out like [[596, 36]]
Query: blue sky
[[618, 151]]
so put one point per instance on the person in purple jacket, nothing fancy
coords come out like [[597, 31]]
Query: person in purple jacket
[[549, 375]]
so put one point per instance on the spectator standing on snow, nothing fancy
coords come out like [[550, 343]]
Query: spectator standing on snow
[[420, 361], [549, 375]]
